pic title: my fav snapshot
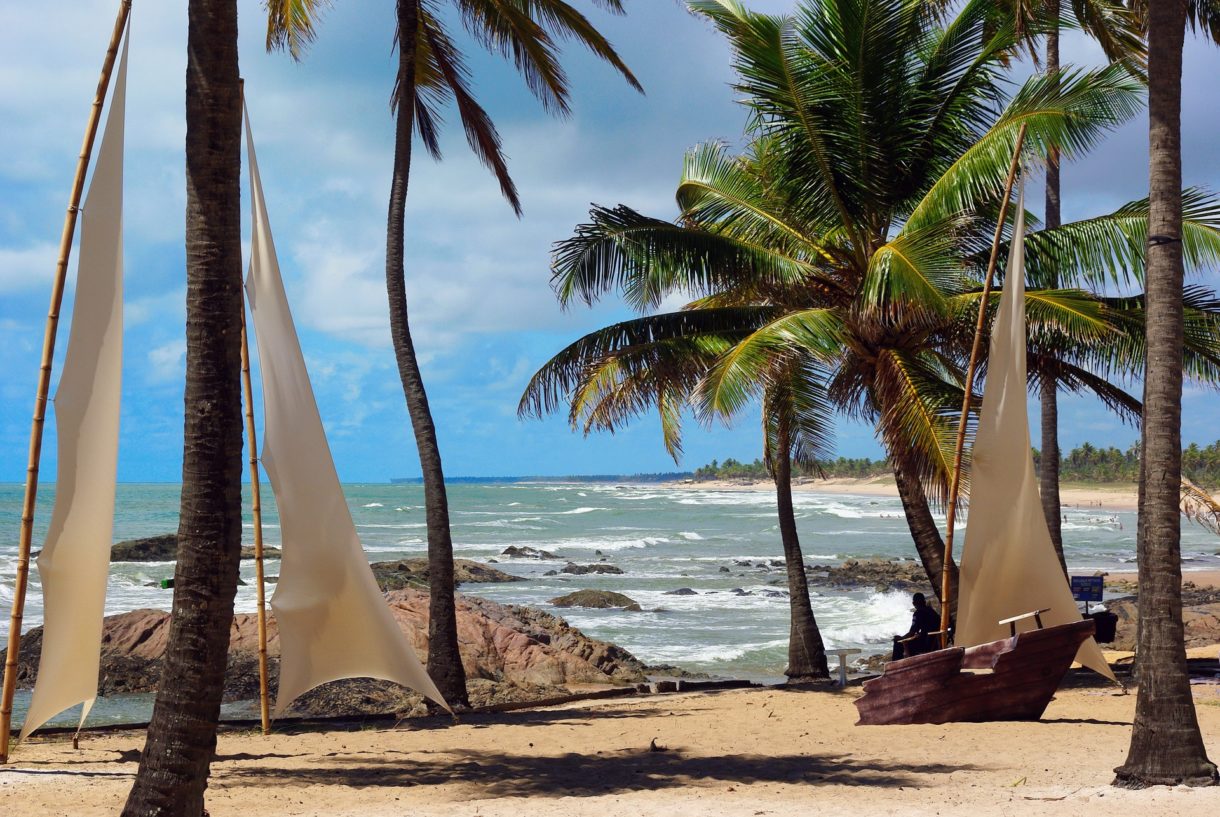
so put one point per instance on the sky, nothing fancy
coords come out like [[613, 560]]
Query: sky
[[482, 311]]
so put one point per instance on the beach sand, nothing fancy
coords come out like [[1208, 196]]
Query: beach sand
[[1102, 497], [749, 752]]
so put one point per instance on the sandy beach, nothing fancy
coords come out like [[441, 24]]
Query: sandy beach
[[748, 752], [1116, 497]]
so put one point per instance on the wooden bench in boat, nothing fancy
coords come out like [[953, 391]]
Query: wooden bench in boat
[[1012, 622]]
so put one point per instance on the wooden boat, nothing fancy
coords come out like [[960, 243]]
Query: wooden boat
[[1010, 662], [1012, 679]]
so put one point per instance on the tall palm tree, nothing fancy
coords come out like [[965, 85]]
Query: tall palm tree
[[1166, 745], [871, 246], [1110, 23], [432, 73], [173, 770]]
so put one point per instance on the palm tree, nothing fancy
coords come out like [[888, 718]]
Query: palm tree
[[431, 73], [1114, 28], [610, 376], [866, 253], [173, 770], [1166, 745]]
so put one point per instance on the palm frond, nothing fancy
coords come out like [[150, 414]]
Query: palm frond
[[292, 24], [1070, 111], [649, 258], [481, 133]]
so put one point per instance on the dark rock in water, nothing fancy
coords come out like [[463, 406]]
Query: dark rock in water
[[493, 561], [878, 574], [743, 563], [500, 644], [551, 573], [598, 553], [596, 599], [527, 552], [725, 570], [776, 563], [164, 548], [681, 591], [774, 594], [738, 591], [581, 570], [414, 573]]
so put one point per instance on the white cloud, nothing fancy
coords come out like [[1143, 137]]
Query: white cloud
[[165, 307], [30, 267], [167, 363]]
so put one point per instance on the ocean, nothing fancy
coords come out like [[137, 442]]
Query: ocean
[[663, 538]]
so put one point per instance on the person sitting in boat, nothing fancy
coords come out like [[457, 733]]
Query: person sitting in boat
[[924, 622]]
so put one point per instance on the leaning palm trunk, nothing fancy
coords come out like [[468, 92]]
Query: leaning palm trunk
[[173, 768], [444, 659], [806, 652], [1166, 746], [928, 541]]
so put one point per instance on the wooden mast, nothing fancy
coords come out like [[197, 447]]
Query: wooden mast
[[44, 385], [256, 509], [968, 390]]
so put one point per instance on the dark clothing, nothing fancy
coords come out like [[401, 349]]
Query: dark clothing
[[925, 620]]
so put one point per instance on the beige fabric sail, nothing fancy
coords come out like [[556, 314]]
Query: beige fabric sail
[[75, 560], [1009, 564], [333, 620]]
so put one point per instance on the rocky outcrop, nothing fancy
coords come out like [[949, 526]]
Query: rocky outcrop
[[596, 599], [500, 644], [527, 552], [414, 573], [164, 548], [582, 570], [1200, 615], [876, 574]]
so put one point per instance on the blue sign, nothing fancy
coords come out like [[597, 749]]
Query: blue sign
[[1087, 588]]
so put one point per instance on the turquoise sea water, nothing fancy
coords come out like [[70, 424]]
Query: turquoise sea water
[[663, 538]]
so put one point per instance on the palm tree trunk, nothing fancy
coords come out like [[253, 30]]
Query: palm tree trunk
[[444, 659], [806, 652], [1049, 471], [173, 770], [928, 541], [1166, 746]]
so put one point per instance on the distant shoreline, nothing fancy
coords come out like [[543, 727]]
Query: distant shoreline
[[1102, 496]]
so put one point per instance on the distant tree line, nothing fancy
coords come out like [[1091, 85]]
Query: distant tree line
[[860, 468], [1087, 463]]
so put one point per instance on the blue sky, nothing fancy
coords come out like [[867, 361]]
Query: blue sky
[[481, 308]]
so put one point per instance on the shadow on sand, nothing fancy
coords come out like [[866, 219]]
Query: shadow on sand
[[582, 775]]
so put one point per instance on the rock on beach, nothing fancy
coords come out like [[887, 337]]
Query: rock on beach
[[506, 650]]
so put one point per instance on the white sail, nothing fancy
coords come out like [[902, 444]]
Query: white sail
[[1009, 565], [75, 560], [332, 618]]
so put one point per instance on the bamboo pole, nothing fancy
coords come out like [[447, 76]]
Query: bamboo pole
[[44, 384], [257, 509], [955, 483]]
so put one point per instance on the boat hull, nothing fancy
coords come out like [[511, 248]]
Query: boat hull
[[1012, 679]]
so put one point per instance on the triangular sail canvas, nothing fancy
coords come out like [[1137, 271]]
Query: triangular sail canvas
[[75, 561], [1009, 565], [332, 618]]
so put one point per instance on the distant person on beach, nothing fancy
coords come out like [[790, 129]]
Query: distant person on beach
[[924, 622]]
